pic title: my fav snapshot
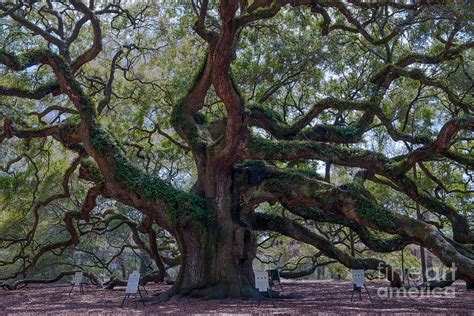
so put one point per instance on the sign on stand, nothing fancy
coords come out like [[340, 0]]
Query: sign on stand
[[132, 284], [133, 288], [358, 281], [262, 284], [77, 281]]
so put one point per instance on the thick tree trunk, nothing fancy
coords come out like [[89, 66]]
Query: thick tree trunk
[[217, 258], [216, 263]]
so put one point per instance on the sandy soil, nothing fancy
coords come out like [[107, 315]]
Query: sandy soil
[[298, 297]]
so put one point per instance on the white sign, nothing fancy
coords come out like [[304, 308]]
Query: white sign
[[358, 278], [77, 278], [261, 281], [132, 284]]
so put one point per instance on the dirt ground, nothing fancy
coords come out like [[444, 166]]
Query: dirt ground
[[299, 297]]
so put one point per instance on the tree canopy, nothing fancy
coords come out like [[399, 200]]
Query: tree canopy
[[198, 132]]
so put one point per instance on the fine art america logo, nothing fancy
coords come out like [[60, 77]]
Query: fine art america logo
[[440, 276]]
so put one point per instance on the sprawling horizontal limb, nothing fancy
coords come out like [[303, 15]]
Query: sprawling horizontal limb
[[286, 274], [349, 201], [65, 133], [24, 282], [124, 181], [298, 232], [36, 94], [262, 117], [263, 149], [369, 238], [391, 168]]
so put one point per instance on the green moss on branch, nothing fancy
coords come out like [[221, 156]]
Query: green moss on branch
[[370, 211], [182, 206]]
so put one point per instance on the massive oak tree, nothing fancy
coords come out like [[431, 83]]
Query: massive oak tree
[[261, 91]]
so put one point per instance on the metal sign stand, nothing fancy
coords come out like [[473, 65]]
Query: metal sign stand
[[77, 281], [262, 283], [274, 275], [133, 288], [358, 279]]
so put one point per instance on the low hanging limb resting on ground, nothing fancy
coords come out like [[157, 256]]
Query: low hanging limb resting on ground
[[25, 282], [144, 280], [286, 274]]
